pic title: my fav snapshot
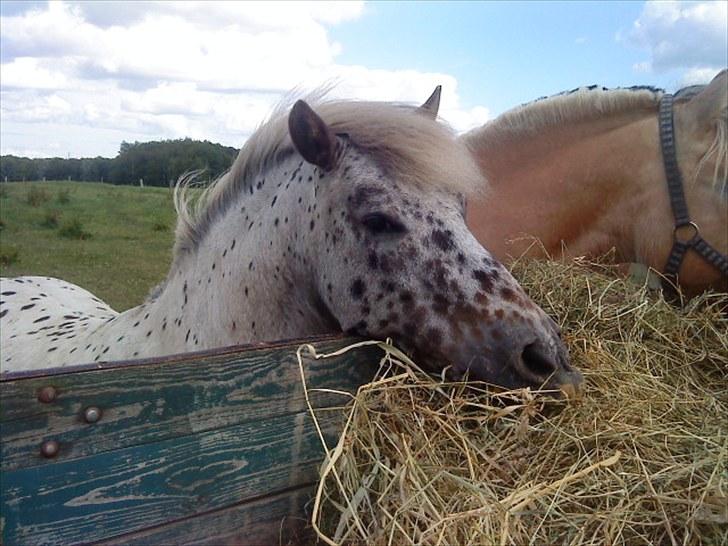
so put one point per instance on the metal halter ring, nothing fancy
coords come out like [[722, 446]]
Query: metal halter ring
[[695, 232]]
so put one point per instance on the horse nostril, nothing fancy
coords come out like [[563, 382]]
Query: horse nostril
[[537, 361]]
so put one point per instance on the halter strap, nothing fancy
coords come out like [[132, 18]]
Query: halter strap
[[679, 206]]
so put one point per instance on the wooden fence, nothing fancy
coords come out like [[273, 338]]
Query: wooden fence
[[204, 448]]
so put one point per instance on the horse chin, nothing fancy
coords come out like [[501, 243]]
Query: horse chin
[[443, 365]]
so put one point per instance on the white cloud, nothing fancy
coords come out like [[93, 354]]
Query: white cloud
[[209, 70], [642, 67], [697, 76], [685, 36], [33, 73], [35, 107]]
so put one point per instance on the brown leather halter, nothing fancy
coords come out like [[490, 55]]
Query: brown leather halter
[[686, 233]]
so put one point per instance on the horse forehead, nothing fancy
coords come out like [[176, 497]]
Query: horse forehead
[[376, 179]]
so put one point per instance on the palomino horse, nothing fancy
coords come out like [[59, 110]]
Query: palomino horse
[[343, 218], [588, 171]]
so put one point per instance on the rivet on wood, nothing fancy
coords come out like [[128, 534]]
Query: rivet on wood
[[47, 394], [92, 414], [49, 449]]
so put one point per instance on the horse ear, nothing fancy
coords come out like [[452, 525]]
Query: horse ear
[[311, 136], [432, 105], [708, 104]]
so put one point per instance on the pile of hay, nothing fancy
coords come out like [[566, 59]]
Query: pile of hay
[[641, 459]]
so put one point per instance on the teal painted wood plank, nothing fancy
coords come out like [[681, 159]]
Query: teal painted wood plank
[[21, 388], [272, 520], [135, 488], [161, 400]]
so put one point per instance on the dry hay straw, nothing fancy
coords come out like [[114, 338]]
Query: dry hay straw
[[640, 459]]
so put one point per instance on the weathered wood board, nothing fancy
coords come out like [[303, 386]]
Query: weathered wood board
[[213, 447]]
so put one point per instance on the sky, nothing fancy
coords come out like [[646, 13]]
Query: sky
[[78, 78]]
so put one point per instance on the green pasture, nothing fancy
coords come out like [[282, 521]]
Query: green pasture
[[115, 241]]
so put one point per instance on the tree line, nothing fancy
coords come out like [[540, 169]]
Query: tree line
[[154, 163]]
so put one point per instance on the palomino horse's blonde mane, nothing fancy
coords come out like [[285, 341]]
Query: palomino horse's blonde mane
[[409, 145], [592, 103], [580, 105]]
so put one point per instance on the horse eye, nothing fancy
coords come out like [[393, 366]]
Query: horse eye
[[377, 223]]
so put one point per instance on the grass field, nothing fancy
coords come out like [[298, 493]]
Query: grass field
[[115, 241]]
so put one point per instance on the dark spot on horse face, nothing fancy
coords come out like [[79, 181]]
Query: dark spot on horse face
[[357, 289], [386, 263], [406, 298], [443, 239], [440, 304], [439, 273], [373, 260], [508, 294], [388, 286], [29, 306], [485, 279], [364, 195]]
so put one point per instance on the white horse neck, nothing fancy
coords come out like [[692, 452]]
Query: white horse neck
[[248, 280]]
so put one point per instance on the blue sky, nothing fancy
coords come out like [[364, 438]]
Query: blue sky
[[77, 78], [501, 53]]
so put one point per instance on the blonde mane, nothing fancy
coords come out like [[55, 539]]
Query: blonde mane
[[593, 103], [410, 146], [580, 105]]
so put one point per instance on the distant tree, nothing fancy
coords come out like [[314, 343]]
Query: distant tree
[[18, 168], [158, 163]]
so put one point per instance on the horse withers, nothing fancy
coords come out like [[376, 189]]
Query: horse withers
[[592, 170], [341, 216]]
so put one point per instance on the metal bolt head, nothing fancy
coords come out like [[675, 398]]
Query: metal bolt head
[[49, 449], [47, 394], [92, 414]]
